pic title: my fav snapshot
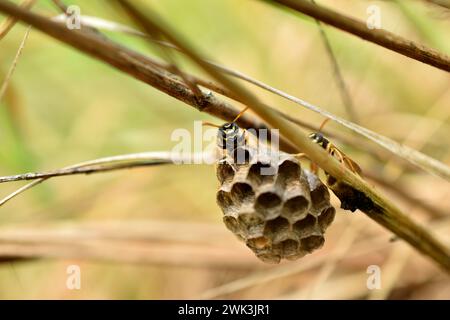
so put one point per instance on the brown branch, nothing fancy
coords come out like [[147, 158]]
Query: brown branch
[[441, 3], [9, 22], [61, 6], [126, 161], [136, 65], [381, 37], [433, 211], [79, 170]]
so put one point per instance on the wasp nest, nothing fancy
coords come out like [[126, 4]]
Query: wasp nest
[[276, 207]]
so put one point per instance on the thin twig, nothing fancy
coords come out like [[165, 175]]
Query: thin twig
[[345, 95], [13, 66], [20, 191], [9, 22], [134, 64], [61, 6], [423, 132], [109, 163], [441, 3], [381, 37], [119, 162]]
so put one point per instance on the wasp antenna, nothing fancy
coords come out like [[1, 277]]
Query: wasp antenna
[[240, 114], [209, 124], [323, 124]]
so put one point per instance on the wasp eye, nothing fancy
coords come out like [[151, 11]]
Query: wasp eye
[[317, 138], [229, 128]]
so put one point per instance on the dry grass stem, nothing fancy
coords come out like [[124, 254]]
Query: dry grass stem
[[381, 37], [13, 66], [9, 23], [343, 89], [119, 162]]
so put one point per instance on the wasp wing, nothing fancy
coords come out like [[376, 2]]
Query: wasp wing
[[349, 163]]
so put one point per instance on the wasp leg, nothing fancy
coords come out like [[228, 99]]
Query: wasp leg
[[313, 167], [340, 156], [300, 155], [345, 162]]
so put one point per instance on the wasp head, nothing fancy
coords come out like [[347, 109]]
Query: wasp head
[[229, 136], [318, 138]]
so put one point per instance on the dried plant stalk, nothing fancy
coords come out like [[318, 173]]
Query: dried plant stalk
[[378, 36], [375, 205]]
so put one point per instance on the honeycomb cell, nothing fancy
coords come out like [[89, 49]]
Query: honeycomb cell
[[295, 208], [312, 243], [268, 204], [289, 247], [231, 223], [258, 243], [242, 192], [326, 217], [225, 201], [306, 226], [269, 258], [251, 222], [277, 229], [320, 196], [259, 173], [288, 172], [299, 254], [250, 219], [225, 172]]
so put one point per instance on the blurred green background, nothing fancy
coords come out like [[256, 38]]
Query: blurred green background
[[64, 107]]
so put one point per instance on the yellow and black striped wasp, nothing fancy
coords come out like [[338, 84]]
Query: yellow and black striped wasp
[[320, 139], [231, 136], [351, 199]]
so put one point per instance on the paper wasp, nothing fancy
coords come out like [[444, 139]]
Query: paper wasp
[[319, 138], [230, 136]]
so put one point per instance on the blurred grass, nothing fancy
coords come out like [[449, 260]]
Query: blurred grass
[[73, 108]]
